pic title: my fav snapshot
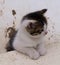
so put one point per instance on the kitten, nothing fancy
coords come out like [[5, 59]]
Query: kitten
[[29, 38]]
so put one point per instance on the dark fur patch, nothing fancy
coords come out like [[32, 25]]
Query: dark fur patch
[[38, 16], [35, 28]]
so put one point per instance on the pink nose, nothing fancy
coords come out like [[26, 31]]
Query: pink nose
[[46, 32]]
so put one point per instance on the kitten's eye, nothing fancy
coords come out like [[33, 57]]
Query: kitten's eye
[[42, 30], [38, 31]]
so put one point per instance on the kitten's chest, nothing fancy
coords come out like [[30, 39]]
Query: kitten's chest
[[31, 42], [25, 41]]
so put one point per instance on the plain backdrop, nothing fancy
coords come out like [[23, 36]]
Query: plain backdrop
[[22, 7]]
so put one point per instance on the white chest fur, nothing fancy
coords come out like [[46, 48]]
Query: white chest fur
[[22, 40]]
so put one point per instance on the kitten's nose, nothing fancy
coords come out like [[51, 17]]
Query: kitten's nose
[[46, 32]]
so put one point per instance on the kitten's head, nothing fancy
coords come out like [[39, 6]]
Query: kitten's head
[[35, 23]]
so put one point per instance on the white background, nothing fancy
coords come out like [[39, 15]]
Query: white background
[[23, 7]]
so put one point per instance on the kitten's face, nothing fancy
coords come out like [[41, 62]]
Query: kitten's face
[[35, 23], [35, 28]]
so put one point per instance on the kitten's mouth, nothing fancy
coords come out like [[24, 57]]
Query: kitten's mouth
[[35, 33]]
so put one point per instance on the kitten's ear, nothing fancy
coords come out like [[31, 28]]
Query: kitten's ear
[[43, 11]]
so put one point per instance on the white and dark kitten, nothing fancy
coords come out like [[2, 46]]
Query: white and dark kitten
[[29, 37]]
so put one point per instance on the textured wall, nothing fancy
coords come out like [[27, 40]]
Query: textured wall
[[22, 7]]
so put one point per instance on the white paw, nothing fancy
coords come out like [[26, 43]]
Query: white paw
[[42, 52], [34, 55]]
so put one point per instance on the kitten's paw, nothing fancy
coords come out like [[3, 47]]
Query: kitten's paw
[[34, 56], [42, 52], [31, 52]]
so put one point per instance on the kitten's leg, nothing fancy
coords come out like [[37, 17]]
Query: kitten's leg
[[41, 49], [31, 52]]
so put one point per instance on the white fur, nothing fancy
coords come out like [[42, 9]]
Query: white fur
[[27, 44]]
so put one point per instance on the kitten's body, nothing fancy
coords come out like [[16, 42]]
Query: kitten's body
[[28, 41]]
